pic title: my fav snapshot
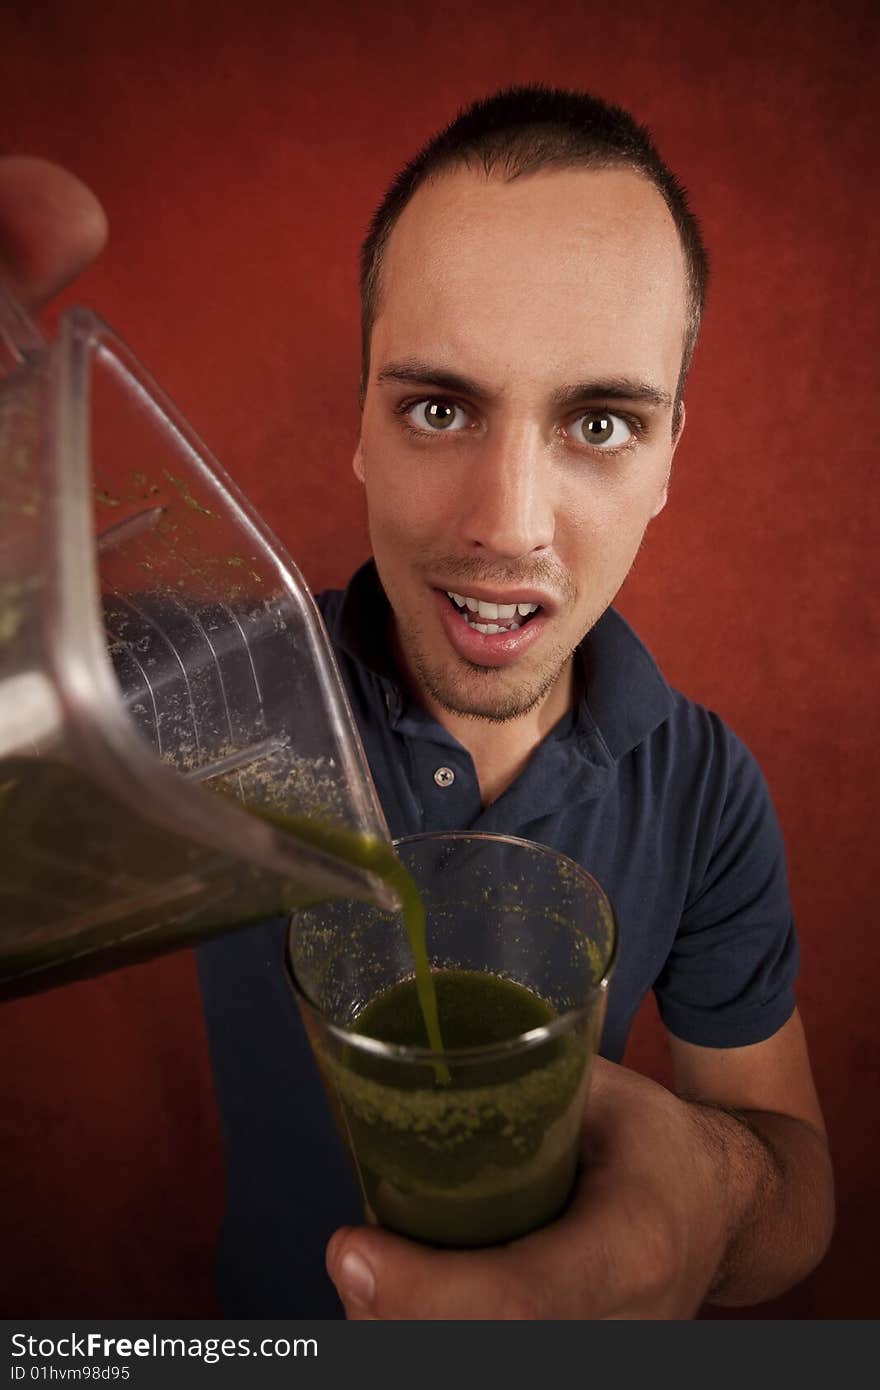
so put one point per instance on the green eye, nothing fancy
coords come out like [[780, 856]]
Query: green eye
[[599, 427], [440, 415], [437, 416]]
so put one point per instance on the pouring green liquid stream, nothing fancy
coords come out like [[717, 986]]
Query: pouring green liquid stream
[[39, 801], [365, 852]]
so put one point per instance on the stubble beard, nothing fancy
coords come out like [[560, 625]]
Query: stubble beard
[[493, 706], [506, 693]]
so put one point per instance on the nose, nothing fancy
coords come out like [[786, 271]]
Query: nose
[[508, 510]]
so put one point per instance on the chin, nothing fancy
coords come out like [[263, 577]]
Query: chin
[[484, 693]]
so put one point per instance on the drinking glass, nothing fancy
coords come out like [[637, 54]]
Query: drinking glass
[[480, 1143]]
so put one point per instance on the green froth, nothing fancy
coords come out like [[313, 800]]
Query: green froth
[[492, 1153]]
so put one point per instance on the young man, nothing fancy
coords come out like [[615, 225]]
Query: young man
[[532, 287]]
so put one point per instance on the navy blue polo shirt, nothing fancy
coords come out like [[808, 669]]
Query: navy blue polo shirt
[[652, 793]]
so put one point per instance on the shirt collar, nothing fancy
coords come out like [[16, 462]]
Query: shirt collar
[[626, 696], [363, 622]]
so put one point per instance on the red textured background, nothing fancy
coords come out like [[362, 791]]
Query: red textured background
[[239, 151]]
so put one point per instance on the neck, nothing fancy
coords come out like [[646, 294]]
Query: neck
[[501, 751]]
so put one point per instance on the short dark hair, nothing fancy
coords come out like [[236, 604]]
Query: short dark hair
[[519, 131]]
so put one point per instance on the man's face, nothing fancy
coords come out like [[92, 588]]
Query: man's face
[[517, 427]]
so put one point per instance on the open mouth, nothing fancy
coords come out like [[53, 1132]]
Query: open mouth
[[488, 617]]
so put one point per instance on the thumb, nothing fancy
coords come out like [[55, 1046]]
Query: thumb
[[51, 227], [380, 1275]]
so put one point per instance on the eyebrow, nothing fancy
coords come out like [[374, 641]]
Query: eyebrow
[[425, 374], [617, 388]]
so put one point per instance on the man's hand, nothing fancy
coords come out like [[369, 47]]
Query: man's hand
[[51, 228], [666, 1190]]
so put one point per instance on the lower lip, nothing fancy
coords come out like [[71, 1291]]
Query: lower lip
[[487, 648]]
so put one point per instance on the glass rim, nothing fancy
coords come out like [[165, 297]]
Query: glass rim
[[464, 1056], [458, 1056]]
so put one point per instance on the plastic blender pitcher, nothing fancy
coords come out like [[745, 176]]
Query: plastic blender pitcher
[[157, 647]]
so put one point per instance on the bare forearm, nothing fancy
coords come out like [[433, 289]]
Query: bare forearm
[[775, 1183]]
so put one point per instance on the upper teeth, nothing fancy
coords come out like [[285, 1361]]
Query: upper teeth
[[492, 610]]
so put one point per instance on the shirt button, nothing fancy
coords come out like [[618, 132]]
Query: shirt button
[[444, 777]]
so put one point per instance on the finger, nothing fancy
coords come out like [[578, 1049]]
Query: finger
[[380, 1275], [52, 227]]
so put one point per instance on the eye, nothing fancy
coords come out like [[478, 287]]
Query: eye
[[437, 416], [601, 428]]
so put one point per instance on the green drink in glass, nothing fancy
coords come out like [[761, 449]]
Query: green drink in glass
[[477, 1144]]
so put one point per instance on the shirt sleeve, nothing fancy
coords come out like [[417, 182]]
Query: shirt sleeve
[[729, 978]]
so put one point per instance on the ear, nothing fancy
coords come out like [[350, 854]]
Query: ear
[[664, 495], [357, 463]]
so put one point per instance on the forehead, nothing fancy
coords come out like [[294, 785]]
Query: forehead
[[572, 263]]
